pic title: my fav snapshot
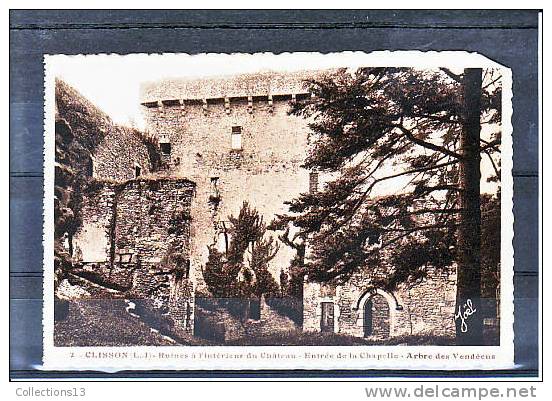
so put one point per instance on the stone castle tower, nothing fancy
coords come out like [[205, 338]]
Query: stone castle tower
[[234, 138]]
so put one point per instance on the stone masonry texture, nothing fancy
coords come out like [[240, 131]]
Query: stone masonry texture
[[119, 154], [129, 228], [423, 308], [265, 172]]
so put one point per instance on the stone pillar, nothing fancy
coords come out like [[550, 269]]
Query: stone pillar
[[181, 304]]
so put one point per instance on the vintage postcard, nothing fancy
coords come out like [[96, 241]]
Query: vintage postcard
[[292, 211]]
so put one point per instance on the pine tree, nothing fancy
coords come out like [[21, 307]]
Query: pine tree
[[243, 271], [419, 132]]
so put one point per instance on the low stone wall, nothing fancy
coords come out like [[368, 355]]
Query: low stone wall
[[271, 322], [117, 276], [212, 321]]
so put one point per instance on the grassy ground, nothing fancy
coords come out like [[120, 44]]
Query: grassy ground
[[99, 317], [103, 323]]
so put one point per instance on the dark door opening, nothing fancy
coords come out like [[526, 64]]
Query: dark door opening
[[254, 309], [327, 319], [376, 317], [368, 318]]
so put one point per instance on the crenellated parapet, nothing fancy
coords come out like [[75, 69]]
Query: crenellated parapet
[[266, 87]]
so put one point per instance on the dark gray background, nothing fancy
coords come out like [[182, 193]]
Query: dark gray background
[[508, 37]]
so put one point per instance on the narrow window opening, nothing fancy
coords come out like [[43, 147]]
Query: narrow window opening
[[237, 137], [214, 187], [137, 171], [183, 272], [223, 238], [165, 148], [90, 167], [188, 315], [187, 269]]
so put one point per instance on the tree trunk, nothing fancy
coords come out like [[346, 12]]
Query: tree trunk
[[468, 313]]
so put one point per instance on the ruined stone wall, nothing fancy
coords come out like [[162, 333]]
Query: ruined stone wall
[[92, 243], [128, 229], [153, 216], [424, 308], [118, 155], [182, 303], [145, 217], [265, 172]]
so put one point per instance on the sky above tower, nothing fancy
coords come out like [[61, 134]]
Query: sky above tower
[[112, 82]]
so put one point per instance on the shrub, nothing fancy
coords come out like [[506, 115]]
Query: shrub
[[290, 307]]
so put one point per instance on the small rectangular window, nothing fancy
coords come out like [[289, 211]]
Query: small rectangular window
[[236, 138], [165, 148], [137, 171]]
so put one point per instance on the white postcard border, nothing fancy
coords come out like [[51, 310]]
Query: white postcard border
[[294, 357]]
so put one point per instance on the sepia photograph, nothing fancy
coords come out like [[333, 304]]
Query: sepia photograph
[[283, 201]]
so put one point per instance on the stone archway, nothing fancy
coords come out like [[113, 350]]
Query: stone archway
[[376, 317], [376, 310]]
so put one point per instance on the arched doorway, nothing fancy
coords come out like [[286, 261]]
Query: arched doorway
[[376, 319]]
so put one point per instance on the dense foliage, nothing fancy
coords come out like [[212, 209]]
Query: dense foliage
[[371, 127], [242, 271], [400, 150]]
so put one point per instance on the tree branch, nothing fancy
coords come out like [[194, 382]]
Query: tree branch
[[362, 197], [492, 162], [492, 82], [419, 228], [427, 145], [424, 211], [436, 118], [456, 77], [414, 170], [442, 187], [491, 144]]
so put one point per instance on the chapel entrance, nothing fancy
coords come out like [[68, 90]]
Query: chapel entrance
[[376, 317]]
